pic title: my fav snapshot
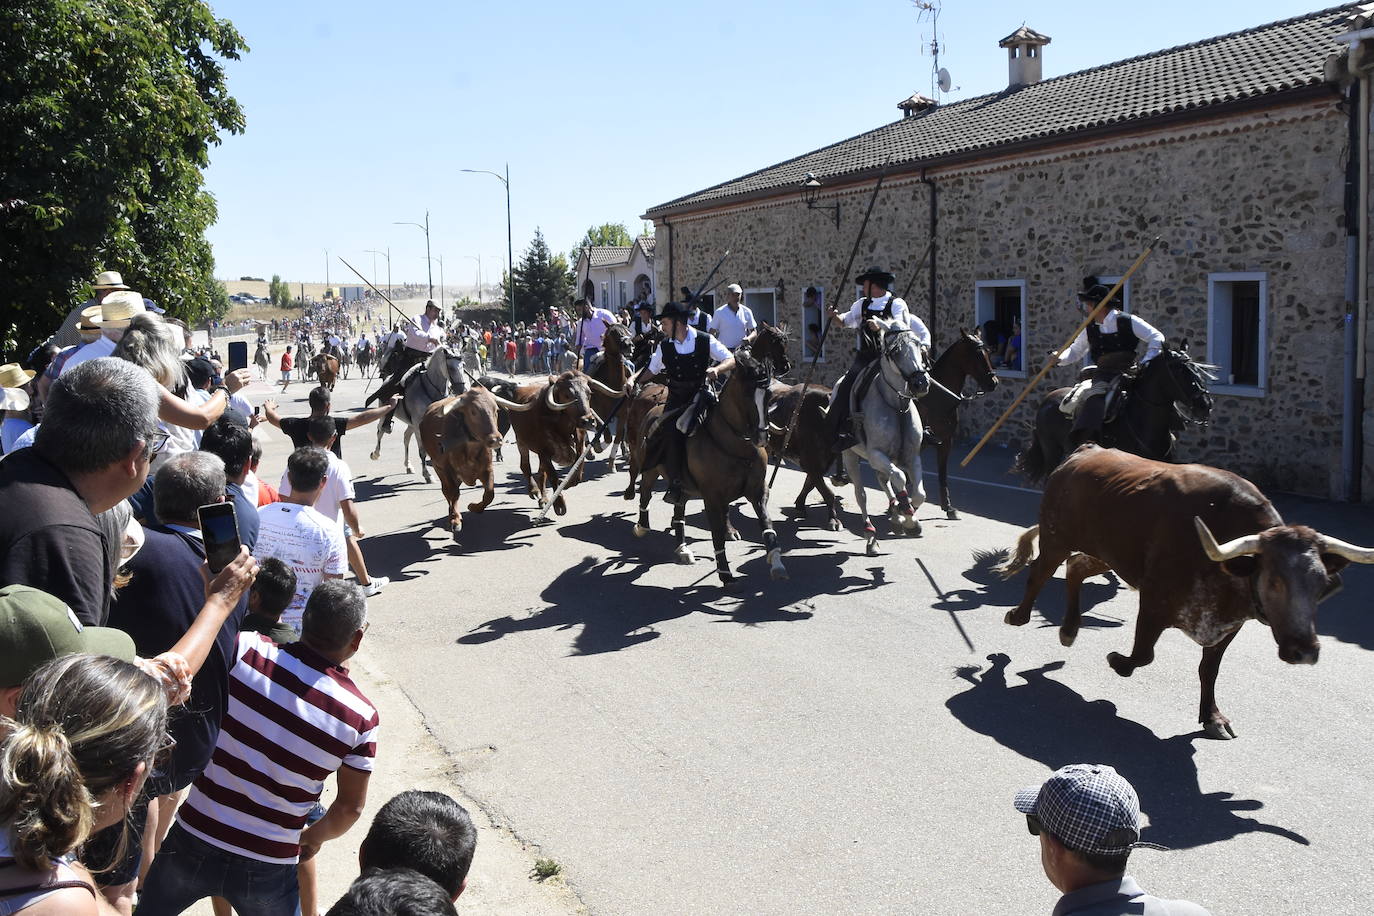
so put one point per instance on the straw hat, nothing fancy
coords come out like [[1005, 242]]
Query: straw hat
[[13, 378], [109, 279], [117, 310]]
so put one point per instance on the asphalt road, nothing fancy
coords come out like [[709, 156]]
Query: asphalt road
[[849, 740]]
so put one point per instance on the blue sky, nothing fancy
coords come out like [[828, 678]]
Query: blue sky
[[362, 114]]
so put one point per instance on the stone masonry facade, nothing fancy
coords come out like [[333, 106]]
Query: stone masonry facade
[[1255, 193]]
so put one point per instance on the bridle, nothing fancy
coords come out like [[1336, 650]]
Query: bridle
[[893, 344]]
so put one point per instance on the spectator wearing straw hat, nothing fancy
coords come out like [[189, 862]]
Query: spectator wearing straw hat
[[112, 316], [1088, 820], [106, 282], [15, 382]]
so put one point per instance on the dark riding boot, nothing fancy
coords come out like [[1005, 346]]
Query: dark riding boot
[[674, 456], [1087, 425]]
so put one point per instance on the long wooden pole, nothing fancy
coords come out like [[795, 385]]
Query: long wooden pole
[[825, 332], [1092, 316]]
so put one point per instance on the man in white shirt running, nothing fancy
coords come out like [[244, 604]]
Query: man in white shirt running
[[293, 532], [733, 322]]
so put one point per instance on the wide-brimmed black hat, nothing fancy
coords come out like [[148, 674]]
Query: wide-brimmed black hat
[[674, 310], [876, 275], [1097, 292]]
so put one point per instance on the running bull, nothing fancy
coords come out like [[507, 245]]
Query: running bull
[[1156, 526]]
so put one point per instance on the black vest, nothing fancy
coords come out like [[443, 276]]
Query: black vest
[[685, 371], [884, 313], [701, 323], [1122, 340]]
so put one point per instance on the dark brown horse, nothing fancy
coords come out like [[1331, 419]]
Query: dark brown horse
[[325, 369], [726, 457], [634, 412], [809, 446], [611, 369], [966, 358]]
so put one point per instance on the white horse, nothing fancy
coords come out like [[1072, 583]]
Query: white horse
[[440, 376], [891, 431]]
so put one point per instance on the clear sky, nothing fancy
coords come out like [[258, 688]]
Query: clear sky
[[361, 114]]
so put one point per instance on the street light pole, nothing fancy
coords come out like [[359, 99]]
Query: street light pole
[[387, 255], [478, 259], [440, 259], [428, 266], [510, 251]]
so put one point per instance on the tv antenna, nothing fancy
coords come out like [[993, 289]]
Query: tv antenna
[[940, 80]]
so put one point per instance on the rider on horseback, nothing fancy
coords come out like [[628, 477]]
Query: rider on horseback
[[877, 302], [644, 334], [1110, 343], [685, 357], [423, 334]]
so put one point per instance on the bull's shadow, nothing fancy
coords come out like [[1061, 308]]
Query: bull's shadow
[[400, 555], [993, 591], [372, 490], [1045, 721]]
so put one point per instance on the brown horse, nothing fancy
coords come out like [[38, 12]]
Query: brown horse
[[809, 446], [325, 369], [726, 458], [611, 369], [966, 358], [645, 400]]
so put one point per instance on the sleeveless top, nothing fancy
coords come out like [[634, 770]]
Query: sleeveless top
[[19, 898], [685, 371], [1122, 340]]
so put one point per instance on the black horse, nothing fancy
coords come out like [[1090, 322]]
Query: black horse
[[966, 358], [1168, 393]]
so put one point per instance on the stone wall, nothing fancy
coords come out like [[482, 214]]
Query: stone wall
[[1256, 193]]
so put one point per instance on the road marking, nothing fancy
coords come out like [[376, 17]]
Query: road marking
[[985, 483]]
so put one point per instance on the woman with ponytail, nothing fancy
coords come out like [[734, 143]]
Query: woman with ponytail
[[85, 733]]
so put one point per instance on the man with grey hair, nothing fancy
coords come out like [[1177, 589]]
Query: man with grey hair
[[164, 594], [242, 836], [91, 452]]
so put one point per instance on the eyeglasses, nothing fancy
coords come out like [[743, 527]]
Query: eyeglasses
[[156, 441], [1033, 825]]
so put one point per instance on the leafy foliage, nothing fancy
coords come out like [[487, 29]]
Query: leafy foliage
[[613, 234], [107, 112], [542, 280], [278, 292]]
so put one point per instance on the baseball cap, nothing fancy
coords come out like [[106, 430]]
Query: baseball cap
[[1088, 807], [733, 288], [200, 369], [35, 628]]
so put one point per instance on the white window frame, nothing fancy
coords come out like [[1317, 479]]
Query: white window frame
[[621, 288], [1219, 331], [983, 304], [760, 290]]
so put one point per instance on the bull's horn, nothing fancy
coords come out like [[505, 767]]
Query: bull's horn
[[553, 404], [448, 406], [511, 405], [776, 430], [1241, 546], [1350, 551], [603, 388]]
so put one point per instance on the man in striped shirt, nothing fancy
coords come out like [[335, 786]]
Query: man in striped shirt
[[294, 717]]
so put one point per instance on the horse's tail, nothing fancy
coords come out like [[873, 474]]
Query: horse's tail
[[1030, 461], [1025, 551]]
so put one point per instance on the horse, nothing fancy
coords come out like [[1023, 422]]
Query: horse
[[364, 358], [261, 360], [808, 447], [325, 368], [422, 385], [345, 360], [891, 434], [726, 455], [1167, 394], [611, 369], [966, 358]]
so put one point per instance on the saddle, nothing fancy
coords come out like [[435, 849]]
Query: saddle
[[1117, 392]]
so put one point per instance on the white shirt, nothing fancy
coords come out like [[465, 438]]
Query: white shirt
[[900, 314], [101, 346], [733, 325], [685, 346], [591, 330], [309, 543], [1080, 348], [338, 486], [423, 335]]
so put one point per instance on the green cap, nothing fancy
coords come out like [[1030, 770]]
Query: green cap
[[36, 628]]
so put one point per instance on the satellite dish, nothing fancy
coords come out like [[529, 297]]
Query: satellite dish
[[942, 79]]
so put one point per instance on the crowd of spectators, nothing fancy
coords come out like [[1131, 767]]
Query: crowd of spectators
[[168, 728]]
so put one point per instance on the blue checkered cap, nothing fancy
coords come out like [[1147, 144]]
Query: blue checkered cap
[[1088, 807]]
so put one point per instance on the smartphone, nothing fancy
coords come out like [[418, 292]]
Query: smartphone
[[219, 528], [238, 354]]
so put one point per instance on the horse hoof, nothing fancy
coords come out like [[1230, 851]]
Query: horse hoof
[[734, 535], [560, 507], [640, 531], [409, 469], [952, 515], [684, 556], [872, 548], [1016, 619], [1120, 664], [375, 455], [476, 507], [834, 523], [1219, 728]]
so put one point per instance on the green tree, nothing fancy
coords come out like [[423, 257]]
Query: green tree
[[218, 300], [613, 234], [107, 112], [279, 293], [542, 280]]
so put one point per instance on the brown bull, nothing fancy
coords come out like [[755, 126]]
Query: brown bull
[[325, 369], [551, 419], [1153, 524], [459, 435]]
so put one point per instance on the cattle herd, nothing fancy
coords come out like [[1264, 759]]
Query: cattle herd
[[1204, 547]]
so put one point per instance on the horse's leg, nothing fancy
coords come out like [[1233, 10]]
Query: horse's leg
[[915, 492], [377, 452], [770, 538], [832, 502], [646, 492], [717, 518], [851, 467], [942, 450], [681, 553]]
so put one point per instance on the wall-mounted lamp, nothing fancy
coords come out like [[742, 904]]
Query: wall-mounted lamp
[[810, 184]]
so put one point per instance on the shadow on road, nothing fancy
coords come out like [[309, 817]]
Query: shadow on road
[[1048, 722]]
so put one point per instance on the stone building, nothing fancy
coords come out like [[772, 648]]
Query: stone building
[[1242, 152], [613, 276]]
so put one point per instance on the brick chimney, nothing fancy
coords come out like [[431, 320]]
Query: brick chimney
[[1023, 56]]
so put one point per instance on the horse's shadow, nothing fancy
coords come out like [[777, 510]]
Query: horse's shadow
[[1048, 722], [994, 591]]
